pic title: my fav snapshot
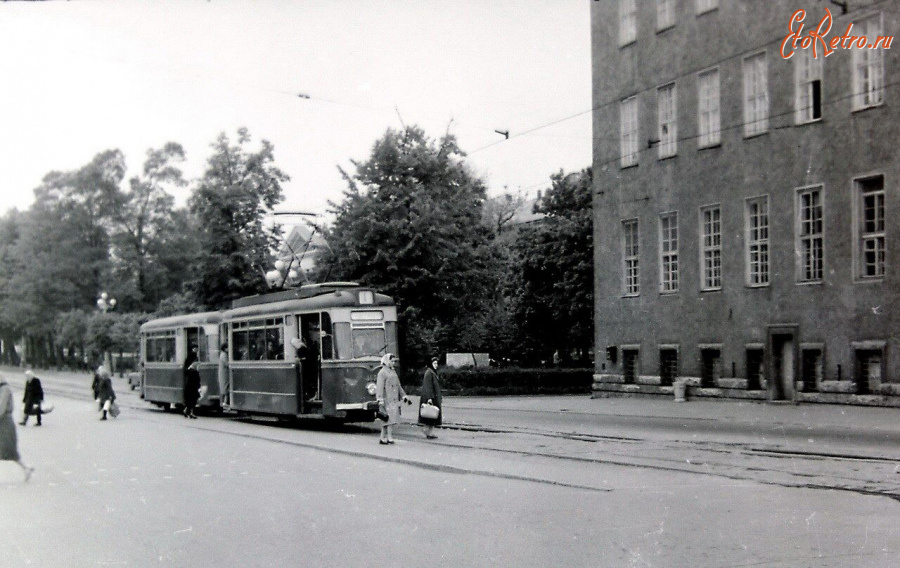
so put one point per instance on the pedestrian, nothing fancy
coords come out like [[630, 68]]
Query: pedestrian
[[34, 396], [105, 394], [95, 385], [191, 386], [389, 393], [431, 394], [224, 383], [9, 445]]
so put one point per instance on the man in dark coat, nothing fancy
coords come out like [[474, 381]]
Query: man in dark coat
[[431, 394], [191, 386], [34, 396]]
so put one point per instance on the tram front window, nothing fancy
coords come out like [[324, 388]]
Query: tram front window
[[368, 343]]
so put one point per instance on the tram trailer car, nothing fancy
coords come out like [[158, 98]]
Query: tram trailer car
[[310, 351], [165, 343]]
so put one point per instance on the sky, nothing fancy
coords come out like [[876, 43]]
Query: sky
[[80, 77]]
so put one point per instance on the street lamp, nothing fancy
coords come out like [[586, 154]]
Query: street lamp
[[287, 274], [105, 302]]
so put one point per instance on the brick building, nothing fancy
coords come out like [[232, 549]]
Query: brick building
[[743, 201]]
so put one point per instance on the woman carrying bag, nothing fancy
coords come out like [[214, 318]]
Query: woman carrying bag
[[431, 397], [389, 394]]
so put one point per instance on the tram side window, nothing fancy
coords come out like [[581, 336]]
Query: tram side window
[[342, 343], [241, 347], [274, 342], [327, 338], [161, 349]]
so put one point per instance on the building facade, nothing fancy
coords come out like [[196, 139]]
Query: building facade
[[743, 199]]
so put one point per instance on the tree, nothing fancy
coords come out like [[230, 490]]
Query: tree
[[230, 201], [552, 279], [143, 225], [500, 211], [410, 226], [10, 327]]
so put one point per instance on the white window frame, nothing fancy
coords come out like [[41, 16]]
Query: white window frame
[[627, 22], [875, 236], [711, 247], [668, 252], [631, 275], [757, 251], [708, 107], [667, 118], [807, 70], [807, 238], [665, 14], [704, 6], [868, 65], [628, 131], [756, 94]]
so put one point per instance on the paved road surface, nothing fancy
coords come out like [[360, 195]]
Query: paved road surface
[[155, 489]]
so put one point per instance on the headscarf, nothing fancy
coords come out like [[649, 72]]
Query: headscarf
[[386, 358]]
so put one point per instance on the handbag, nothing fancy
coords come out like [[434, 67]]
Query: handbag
[[381, 413], [114, 409], [429, 411]]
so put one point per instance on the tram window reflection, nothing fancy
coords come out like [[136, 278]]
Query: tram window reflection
[[343, 348], [368, 343], [274, 343], [240, 352]]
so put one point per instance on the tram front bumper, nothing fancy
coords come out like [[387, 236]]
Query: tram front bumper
[[371, 405]]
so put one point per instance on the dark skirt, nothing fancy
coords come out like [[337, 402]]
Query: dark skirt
[[429, 422]]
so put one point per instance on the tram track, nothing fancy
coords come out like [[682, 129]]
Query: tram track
[[773, 465]]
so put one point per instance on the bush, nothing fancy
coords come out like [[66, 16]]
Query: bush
[[488, 381]]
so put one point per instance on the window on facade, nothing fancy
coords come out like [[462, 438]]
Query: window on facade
[[756, 95], [668, 124], [630, 365], [668, 252], [711, 247], [868, 370], [868, 66], [757, 253], [628, 134], [812, 368], [810, 235], [755, 358], [708, 84], [665, 14], [668, 366], [704, 6], [627, 21], [631, 283], [710, 367], [807, 86], [870, 204]]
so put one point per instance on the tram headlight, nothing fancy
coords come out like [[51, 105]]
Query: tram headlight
[[371, 388]]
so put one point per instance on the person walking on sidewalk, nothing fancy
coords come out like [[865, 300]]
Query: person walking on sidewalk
[[105, 394], [34, 396], [9, 445], [389, 393], [431, 394]]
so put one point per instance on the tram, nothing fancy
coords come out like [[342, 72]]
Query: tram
[[309, 351], [165, 343]]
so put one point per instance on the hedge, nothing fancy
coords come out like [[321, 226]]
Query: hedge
[[491, 381]]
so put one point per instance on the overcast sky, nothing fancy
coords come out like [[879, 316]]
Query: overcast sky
[[80, 77]]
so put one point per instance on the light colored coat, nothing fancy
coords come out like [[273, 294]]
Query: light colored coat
[[389, 390], [9, 445]]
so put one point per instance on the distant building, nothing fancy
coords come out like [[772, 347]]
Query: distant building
[[741, 216]]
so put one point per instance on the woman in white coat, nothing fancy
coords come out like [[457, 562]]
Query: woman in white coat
[[389, 394]]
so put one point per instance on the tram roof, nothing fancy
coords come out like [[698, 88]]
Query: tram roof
[[300, 300], [186, 320]]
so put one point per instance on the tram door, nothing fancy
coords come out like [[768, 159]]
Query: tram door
[[309, 328]]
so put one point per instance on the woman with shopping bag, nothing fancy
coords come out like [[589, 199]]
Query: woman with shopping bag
[[430, 413], [105, 394], [9, 445], [389, 394]]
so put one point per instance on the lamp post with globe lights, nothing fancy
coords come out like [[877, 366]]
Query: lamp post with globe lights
[[105, 302], [287, 274]]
